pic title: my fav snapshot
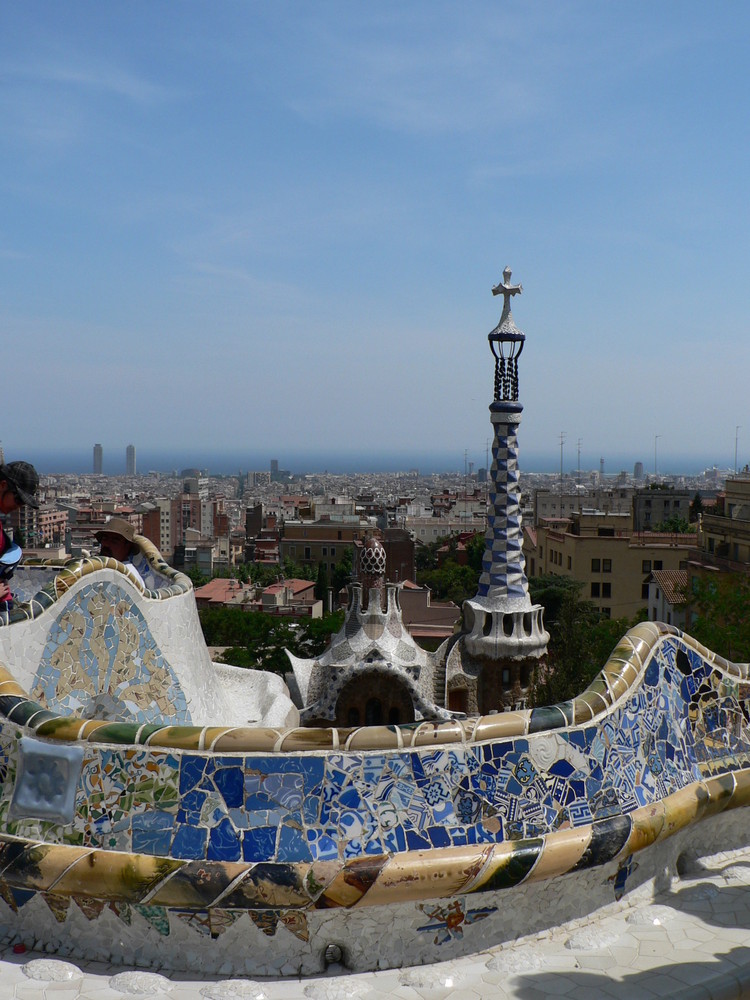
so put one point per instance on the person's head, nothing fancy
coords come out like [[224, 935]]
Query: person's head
[[117, 539], [18, 485]]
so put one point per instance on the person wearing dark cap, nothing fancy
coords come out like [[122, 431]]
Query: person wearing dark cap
[[18, 485], [117, 540]]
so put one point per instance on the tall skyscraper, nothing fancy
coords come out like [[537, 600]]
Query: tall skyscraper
[[130, 460], [98, 454]]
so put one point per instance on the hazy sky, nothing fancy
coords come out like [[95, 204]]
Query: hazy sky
[[277, 225]]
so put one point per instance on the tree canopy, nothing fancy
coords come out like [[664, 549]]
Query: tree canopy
[[581, 639], [257, 640], [720, 614]]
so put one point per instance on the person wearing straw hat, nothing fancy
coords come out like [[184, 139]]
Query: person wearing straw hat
[[19, 482], [117, 540]]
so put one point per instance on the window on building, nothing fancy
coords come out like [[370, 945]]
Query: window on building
[[606, 590], [595, 589], [570, 563], [646, 566], [606, 565], [307, 552], [644, 591], [657, 564], [325, 550], [333, 550], [596, 565]]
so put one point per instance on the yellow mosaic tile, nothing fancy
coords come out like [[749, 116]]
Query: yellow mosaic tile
[[563, 849]]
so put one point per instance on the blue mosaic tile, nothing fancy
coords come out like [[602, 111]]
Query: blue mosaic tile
[[191, 806], [189, 842], [293, 845], [223, 843], [152, 832], [231, 784], [322, 846]]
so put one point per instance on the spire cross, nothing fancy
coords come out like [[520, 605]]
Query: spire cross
[[507, 290]]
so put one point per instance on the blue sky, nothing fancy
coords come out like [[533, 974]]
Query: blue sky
[[275, 226]]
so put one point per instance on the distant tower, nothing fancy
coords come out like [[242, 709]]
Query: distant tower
[[638, 470], [98, 454], [130, 460], [503, 633]]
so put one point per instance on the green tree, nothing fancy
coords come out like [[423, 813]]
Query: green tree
[[263, 575], [321, 585], [257, 641], [425, 557], [720, 614], [342, 574], [451, 582], [475, 550], [198, 578], [581, 639], [696, 508], [676, 524], [297, 571]]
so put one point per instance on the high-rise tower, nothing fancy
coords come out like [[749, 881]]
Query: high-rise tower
[[98, 454], [503, 632], [130, 460]]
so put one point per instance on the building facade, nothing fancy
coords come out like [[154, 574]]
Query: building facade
[[612, 562]]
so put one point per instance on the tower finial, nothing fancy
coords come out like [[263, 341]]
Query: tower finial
[[507, 290], [506, 342]]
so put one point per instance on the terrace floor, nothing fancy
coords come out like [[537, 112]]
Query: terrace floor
[[690, 943]]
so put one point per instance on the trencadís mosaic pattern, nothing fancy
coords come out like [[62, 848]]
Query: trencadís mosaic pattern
[[101, 660], [201, 825]]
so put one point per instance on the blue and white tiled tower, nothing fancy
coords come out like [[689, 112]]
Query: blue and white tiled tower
[[500, 622]]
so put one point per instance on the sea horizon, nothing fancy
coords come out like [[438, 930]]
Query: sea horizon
[[163, 460]]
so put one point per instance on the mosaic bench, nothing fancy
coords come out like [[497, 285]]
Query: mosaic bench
[[271, 851], [85, 637]]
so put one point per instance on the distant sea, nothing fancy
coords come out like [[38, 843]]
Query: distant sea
[[217, 463]]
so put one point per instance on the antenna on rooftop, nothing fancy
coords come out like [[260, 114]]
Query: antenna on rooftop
[[562, 442]]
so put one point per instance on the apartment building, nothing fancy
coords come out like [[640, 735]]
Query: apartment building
[[725, 531], [653, 506], [552, 503], [724, 537], [430, 529], [310, 543], [613, 562]]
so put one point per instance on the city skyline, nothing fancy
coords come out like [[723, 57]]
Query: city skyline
[[423, 461], [284, 224]]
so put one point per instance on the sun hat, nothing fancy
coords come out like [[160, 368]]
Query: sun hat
[[117, 526], [24, 481]]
